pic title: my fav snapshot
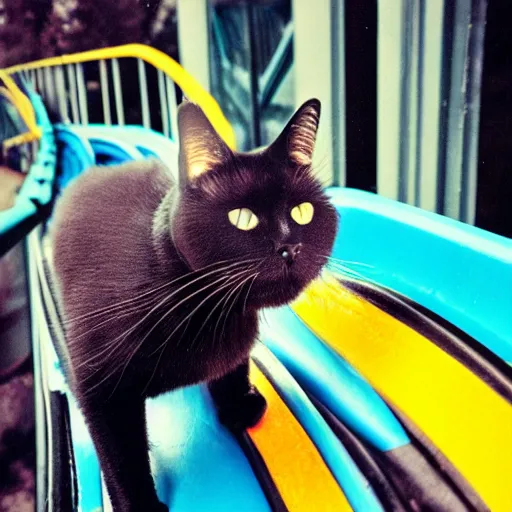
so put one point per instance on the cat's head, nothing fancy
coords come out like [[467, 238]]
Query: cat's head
[[266, 208]]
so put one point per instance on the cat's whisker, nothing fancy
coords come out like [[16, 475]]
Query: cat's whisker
[[165, 286], [117, 342], [227, 313], [160, 357], [234, 298], [349, 262], [224, 302], [332, 267], [135, 302], [223, 310], [264, 315], [114, 317], [161, 303], [344, 271], [162, 345], [107, 309], [229, 293], [199, 305], [217, 342], [126, 312], [219, 280], [196, 293], [113, 345], [214, 335], [340, 265], [330, 262], [248, 292], [348, 274]]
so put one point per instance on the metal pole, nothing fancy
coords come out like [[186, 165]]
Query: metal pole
[[164, 108], [118, 92], [39, 402], [105, 93], [408, 97], [312, 67], [470, 161], [429, 115], [463, 97], [70, 68], [172, 106], [389, 93], [338, 93], [144, 101], [193, 39], [82, 94], [40, 82], [254, 77], [50, 87], [61, 94]]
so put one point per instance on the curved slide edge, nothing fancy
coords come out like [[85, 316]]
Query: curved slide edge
[[347, 400], [427, 257], [355, 486], [110, 151], [463, 417], [149, 142], [473, 355], [330, 379], [32, 202], [75, 155]]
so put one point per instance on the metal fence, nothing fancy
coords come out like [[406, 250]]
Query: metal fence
[[67, 90], [130, 84]]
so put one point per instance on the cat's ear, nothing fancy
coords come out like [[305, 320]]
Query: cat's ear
[[297, 141], [201, 148]]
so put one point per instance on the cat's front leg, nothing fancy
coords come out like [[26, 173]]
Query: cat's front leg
[[239, 404], [118, 429]]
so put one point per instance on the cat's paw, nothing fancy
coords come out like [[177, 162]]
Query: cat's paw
[[244, 412]]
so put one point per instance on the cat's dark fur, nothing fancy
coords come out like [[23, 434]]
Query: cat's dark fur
[[161, 291]]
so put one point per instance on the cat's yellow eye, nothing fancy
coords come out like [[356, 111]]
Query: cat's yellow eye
[[243, 219], [303, 213]]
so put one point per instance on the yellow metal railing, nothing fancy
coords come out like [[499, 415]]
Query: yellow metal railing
[[13, 93], [60, 80]]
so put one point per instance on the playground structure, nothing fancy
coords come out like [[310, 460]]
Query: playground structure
[[388, 381]]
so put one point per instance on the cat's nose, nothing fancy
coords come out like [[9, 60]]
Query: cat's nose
[[289, 252]]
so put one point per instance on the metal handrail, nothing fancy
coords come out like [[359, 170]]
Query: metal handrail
[[47, 72], [25, 109]]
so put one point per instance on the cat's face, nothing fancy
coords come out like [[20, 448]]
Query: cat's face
[[265, 209]]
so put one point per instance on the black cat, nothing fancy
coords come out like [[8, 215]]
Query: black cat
[[161, 283]]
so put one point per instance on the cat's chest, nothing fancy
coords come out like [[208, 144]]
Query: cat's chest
[[196, 344]]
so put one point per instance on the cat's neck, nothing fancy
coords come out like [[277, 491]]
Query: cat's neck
[[166, 251]]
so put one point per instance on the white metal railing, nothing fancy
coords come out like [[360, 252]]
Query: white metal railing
[[101, 86]]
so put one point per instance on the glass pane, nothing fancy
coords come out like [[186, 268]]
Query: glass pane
[[251, 46]]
